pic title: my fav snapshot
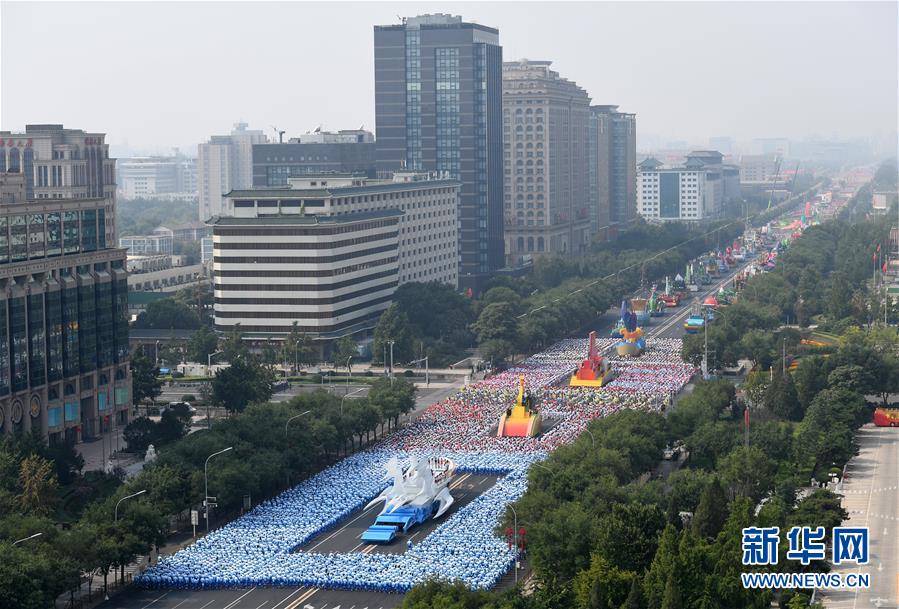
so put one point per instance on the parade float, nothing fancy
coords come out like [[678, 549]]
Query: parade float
[[709, 305], [886, 417], [416, 494], [690, 280], [655, 304], [521, 420], [695, 323], [632, 341], [671, 297], [679, 284], [640, 308], [595, 370]]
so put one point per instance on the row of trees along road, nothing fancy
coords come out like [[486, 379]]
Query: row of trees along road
[[603, 535]]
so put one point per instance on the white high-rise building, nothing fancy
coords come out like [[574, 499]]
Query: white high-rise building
[[225, 163]]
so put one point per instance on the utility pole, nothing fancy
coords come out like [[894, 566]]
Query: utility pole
[[390, 342], [705, 355]]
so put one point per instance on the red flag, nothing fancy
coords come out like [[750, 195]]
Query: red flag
[[884, 267], [878, 247], [873, 257]]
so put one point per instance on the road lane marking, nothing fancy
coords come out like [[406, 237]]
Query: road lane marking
[[283, 600], [302, 598], [154, 600], [263, 603], [181, 603], [237, 600], [343, 527], [207, 604]]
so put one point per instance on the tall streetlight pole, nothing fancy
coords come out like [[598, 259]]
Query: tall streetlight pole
[[156, 356], [27, 538], [348, 360], [390, 342], [296, 416], [209, 360], [515, 537], [346, 396], [592, 438], [206, 482], [122, 499]]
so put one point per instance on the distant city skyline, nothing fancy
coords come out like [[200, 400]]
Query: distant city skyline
[[689, 70]]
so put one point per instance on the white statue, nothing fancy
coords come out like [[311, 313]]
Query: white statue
[[422, 484], [151, 454]]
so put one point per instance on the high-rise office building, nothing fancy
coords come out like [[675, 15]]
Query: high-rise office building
[[157, 177], [545, 119], [225, 162], [438, 107], [63, 306], [613, 169]]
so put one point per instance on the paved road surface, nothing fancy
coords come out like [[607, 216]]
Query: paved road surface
[[466, 487], [871, 496]]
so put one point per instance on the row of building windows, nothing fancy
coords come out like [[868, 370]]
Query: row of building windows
[[291, 231], [62, 333], [302, 259], [303, 301], [277, 273], [268, 245], [301, 314], [303, 287], [33, 236]]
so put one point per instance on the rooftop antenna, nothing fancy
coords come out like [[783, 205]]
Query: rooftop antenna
[[280, 133]]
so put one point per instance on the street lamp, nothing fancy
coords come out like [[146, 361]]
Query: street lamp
[[122, 499], [206, 482], [540, 465], [157, 354], [345, 396], [348, 360], [209, 360], [515, 537], [27, 538], [296, 416]]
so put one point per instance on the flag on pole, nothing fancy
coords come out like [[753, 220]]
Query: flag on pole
[[873, 259], [878, 247], [884, 267]]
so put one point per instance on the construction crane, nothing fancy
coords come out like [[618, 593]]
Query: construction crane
[[280, 134]]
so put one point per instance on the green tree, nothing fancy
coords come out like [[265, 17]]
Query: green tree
[[496, 350], [711, 513], [628, 535], [635, 598], [820, 509], [38, 485], [233, 346], [851, 377], [664, 564], [297, 348], [342, 350], [144, 384], [166, 314], [747, 472], [672, 597], [496, 322], [782, 399], [392, 325], [240, 384], [203, 343], [139, 434], [758, 345], [501, 294]]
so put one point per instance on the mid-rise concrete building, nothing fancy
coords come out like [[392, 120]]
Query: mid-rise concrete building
[[612, 171], [438, 107], [349, 151], [63, 303], [696, 191], [224, 163], [546, 157], [329, 251], [759, 167]]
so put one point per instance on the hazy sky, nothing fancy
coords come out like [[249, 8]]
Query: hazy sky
[[161, 74]]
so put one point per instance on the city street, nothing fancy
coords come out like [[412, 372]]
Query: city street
[[871, 496]]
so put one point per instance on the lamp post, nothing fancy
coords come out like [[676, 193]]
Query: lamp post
[[515, 537], [345, 396], [156, 354], [122, 499], [206, 482], [27, 538], [348, 360], [209, 360], [390, 342], [296, 416]]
